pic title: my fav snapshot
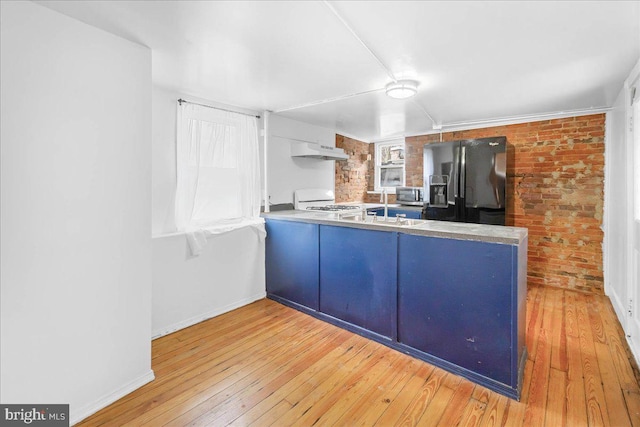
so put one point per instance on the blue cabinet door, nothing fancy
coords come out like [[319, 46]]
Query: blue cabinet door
[[292, 261], [455, 302], [358, 277]]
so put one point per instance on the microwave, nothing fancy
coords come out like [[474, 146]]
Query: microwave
[[411, 196]]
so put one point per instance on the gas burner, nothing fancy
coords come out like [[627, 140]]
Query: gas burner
[[332, 208]]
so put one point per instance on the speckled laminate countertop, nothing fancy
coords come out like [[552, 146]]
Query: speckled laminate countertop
[[442, 229]]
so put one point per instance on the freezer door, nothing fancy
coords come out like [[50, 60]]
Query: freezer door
[[485, 173]]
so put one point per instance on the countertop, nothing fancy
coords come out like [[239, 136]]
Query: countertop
[[442, 229]]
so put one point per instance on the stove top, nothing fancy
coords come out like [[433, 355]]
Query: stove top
[[332, 208]]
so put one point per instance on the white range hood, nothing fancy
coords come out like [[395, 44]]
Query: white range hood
[[316, 151]]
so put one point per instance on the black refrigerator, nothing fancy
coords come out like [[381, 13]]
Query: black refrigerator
[[464, 181]]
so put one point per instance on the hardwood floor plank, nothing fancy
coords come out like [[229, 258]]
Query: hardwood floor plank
[[473, 413], [481, 394], [167, 345], [515, 411], [556, 412], [576, 394], [495, 411], [414, 412], [558, 334], [359, 390], [378, 360], [618, 347], [267, 364], [632, 400], [203, 384], [345, 400], [537, 396], [375, 410], [571, 315], [408, 395], [378, 395], [596, 405], [313, 348], [535, 307], [452, 381], [276, 412], [305, 400], [431, 415], [193, 348], [302, 384], [454, 411], [597, 329], [613, 393]]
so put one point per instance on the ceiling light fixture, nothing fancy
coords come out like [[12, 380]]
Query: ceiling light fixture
[[402, 89]]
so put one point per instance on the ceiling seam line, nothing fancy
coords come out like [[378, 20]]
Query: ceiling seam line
[[352, 31], [324, 101], [424, 110], [541, 116]]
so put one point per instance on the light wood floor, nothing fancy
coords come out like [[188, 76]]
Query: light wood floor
[[266, 364]]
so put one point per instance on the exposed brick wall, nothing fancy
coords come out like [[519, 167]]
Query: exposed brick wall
[[555, 188], [375, 198], [355, 176], [413, 162], [352, 175]]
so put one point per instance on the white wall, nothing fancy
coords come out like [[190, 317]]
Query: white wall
[[618, 245], [75, 262], [286, 174], [615, 252], [163, 161], [229, 273]]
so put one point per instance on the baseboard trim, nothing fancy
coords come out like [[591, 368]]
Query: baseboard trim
[[205, 316], [88, 410], [618, 308], [630, 327], [634, 339]]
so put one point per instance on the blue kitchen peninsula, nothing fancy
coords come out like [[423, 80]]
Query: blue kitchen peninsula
[[451, 294]]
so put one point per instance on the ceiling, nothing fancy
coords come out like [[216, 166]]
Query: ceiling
[[327, 63]]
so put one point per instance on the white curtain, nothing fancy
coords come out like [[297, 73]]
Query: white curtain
[[218, 173]]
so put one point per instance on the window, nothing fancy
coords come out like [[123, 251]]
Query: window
[[218, 173], [389, 165]]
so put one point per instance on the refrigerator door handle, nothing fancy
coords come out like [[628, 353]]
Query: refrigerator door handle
[[456, 163], [463, 181]]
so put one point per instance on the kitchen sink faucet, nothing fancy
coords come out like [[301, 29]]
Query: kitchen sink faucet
[[384, 196]]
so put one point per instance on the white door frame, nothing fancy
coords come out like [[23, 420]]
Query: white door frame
[[631, 324]]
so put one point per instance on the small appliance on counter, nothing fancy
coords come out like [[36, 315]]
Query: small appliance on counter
[[409, 196]]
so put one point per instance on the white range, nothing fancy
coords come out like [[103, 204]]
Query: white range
[[319, 199]]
